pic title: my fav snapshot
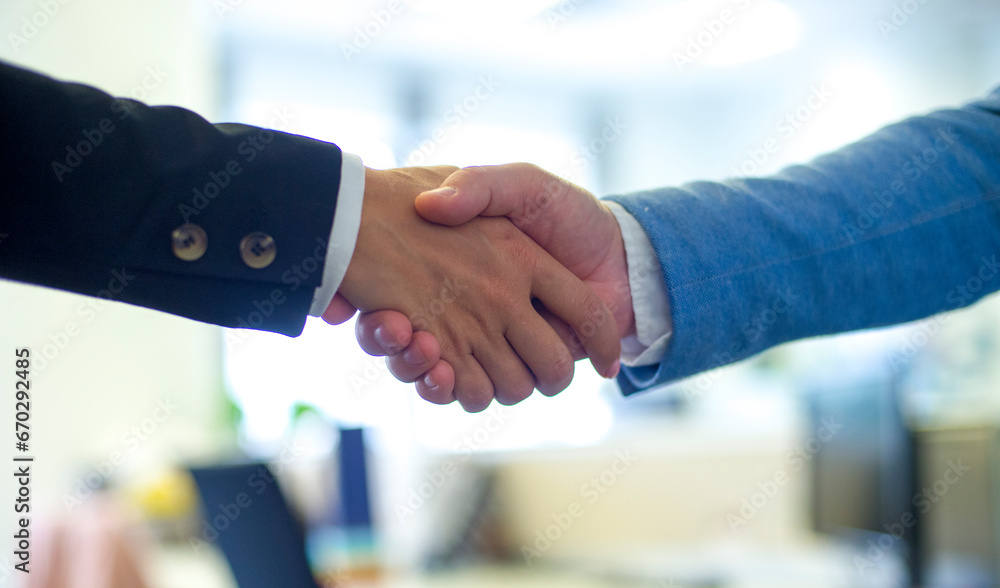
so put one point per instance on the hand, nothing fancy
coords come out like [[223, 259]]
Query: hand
[[576, 229], [469, 289]]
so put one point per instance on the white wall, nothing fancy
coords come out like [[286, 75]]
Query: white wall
[[121, 361]]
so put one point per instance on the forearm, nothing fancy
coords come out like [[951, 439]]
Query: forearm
[[896, 227], [95, 185]]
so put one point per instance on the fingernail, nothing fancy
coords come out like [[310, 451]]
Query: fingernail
[[614, 369], [444, 192], [430, 382], [382, 338], [413, 356]]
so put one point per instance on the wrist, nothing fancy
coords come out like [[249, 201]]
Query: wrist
[[647, 318], [357, 277], [343, 234], [623, 308]]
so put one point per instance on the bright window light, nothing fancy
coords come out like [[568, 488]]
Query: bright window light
[[323, 367], [578, 416], [509, 10], [764, 29], [353, 131], [647, 39], [269, 374], [480, 144], [860, 102]]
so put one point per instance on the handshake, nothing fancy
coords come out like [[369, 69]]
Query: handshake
[[487, 282]]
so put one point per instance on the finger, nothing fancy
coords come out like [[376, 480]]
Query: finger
[[460, 198], [539, 203], [437, 386], [512, 381], [545, 354], [473, 388], [572, 301], [563, 331], [383, 332], [497, 190], [339, 310], [416, 359]]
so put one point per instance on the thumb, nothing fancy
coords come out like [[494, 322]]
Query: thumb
[[497, 190]]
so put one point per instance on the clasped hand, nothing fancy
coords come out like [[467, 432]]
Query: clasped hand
[[497, 305]]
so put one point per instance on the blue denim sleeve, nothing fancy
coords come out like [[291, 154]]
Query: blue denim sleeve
[[899, 226]]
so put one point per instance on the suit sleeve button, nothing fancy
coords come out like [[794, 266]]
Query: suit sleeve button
[[189, 242], [258, 250]]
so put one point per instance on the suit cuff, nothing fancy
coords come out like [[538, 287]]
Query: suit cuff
[[343, 234], [649, 294]]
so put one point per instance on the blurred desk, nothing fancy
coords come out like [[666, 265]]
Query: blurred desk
[[173, 568], [178, 566], [810, 565]]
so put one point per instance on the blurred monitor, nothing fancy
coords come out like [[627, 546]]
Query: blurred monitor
[[251, 522]]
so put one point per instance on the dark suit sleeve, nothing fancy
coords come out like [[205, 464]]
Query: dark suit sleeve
[[94, 187]]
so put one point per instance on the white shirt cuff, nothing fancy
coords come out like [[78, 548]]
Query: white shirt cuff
[[649, 294], [343, 234]]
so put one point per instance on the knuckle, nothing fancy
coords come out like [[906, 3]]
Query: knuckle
[[400, 370], [562, 370], [471, 174], [575, 345], [475, 400], [522, 253], [435, 396], [515, 393], [502, 304], [593, 317], [559, 377], [523, 166]]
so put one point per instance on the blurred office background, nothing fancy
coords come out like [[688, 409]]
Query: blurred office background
[[849, 461]]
